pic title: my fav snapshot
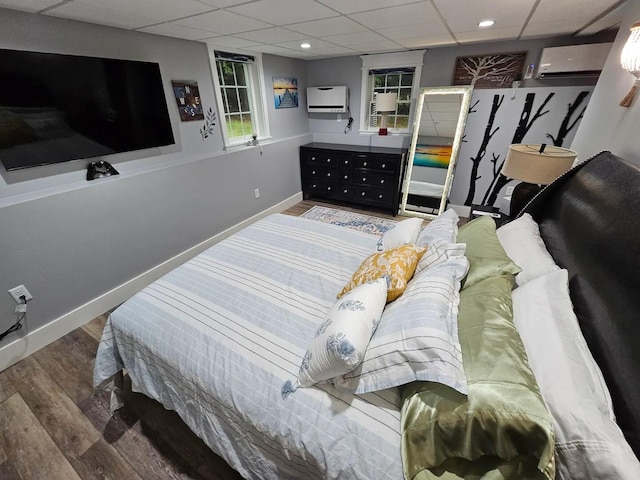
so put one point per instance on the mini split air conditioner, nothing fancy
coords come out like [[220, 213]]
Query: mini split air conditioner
[[573, 60], [328, 99]]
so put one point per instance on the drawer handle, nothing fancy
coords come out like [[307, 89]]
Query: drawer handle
[[379, 196], [313, 158], [345, 191], [363, 194], [364, 179], [314, 185], [364, 164], [328, 188], [346, 177], [313, 172], [346, 162], [383, 165], [329, 174], [328, 160], [381, 181]]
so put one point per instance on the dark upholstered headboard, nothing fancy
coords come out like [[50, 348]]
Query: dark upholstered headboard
[[590, 221]]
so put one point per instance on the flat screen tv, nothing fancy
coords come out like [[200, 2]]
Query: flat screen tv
[[55, 108]]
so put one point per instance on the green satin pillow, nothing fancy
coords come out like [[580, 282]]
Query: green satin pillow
[[501, 429], [487, 257]]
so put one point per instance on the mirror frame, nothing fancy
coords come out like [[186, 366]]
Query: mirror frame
[[466, 92]]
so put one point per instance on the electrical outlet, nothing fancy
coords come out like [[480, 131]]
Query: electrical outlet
[[19, 291], [257, 192], [339, 118]]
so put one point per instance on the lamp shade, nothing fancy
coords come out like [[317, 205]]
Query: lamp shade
[[527, 164], [386, 102], [630, 56]]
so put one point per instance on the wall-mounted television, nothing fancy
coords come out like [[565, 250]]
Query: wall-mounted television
[[55, 108]]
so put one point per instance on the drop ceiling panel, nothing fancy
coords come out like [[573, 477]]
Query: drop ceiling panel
[[163, 10], [327, 27], [334, 51], [356, 38], [613, 19], [505, 13], [177, 31], [221, 21], [506, 33], [427, 41], [272, 35], [224, 3], [28, 5], [353, 6], [559, 27], [315, 43], [416, 13], [100, 16], [228, 41], [554, 10], [414, 31], [283, 12]]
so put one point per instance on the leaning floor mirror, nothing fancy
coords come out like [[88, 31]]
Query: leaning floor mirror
[[441, 115]]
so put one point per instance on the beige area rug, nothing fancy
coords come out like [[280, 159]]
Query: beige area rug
[[356, 221]]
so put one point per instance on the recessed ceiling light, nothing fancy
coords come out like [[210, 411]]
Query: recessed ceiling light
[[305, 45], [486, 23]]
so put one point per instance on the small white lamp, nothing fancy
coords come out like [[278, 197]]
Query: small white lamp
[[630, 60], [385, 103]]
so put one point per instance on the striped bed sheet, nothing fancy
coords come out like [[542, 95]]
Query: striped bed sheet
[[216, 338]]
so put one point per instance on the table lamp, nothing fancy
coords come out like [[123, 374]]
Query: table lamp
[[385, 103], [535, 166]]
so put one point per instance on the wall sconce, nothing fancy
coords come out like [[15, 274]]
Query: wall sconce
[[385, 103], [535, 166], [630, 60]]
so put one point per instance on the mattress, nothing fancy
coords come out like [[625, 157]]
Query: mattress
[[216, 338]]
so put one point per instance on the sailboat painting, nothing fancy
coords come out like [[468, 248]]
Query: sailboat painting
[[285, 92]]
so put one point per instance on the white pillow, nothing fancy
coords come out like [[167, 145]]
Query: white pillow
[[522, 241], [589, 444], [404, 232], [417, 338], [444, 227], [342, 339], [440, 251]]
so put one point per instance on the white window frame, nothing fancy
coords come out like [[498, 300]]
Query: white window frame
[[257, 97], [413, 58]]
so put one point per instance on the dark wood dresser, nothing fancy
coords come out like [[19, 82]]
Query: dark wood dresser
[[353, 174]]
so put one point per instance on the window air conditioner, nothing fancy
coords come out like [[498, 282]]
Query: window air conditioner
[[328, 99], [574, 60]]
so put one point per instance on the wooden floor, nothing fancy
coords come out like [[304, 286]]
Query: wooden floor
[[54, 426]]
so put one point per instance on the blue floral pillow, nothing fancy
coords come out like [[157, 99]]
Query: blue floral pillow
[[342, 339]]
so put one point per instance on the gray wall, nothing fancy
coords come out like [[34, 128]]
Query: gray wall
[[70, 241], [606, 125]]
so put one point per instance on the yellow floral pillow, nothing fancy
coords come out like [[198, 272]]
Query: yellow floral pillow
[[398, 264]]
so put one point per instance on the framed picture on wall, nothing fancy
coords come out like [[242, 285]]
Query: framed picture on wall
[[285, 92], [188, 99], [489, 71]]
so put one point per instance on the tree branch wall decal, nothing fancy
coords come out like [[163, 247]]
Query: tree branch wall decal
[[568, 125]]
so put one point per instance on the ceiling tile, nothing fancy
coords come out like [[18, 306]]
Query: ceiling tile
[[556, 10], [377, 47], [163, 10], [28, 5], [233, 42], [413, 31], [487, 35], [506, 13], [559, 27], [177, 31], [272, 35], [416, 13], [299, 55], [353, 6], [85, 13], [613, 19], [427, 41], [283, 12], [315, 43], [335, 50], [221, 21], [224, 3], [327, 27], [271, 49], [349, 39]]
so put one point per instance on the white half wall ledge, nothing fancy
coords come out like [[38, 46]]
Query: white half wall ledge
[[25, 345]]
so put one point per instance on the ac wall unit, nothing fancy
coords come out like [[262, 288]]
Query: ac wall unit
[[574, 60], [328, 99]]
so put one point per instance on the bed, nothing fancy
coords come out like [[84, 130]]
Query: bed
[[219, 338]]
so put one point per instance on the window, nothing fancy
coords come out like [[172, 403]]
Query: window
[[239, 83], [397, 73]]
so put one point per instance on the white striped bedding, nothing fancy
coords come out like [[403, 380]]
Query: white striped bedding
[[216, 338]]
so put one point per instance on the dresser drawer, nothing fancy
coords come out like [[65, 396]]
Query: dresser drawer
[[374, 162], [320, 172], [324, 158], [376, 179], [324, 189], [373, 195]]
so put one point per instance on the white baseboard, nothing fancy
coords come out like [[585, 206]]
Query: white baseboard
[[35, 340]]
